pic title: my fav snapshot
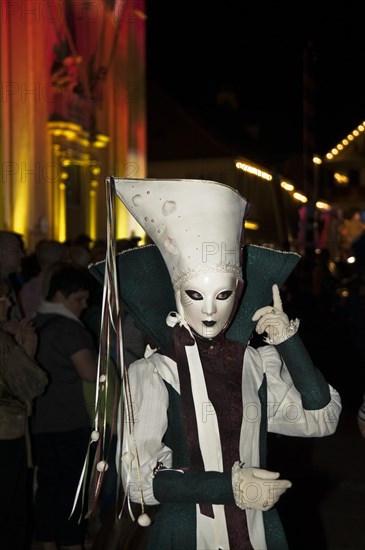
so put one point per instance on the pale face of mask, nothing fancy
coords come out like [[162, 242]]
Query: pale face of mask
[[206, 302]]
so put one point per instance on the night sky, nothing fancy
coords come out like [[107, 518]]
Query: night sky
[[195, 51]]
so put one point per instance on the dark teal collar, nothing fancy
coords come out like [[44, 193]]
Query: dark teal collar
[[146, 290]]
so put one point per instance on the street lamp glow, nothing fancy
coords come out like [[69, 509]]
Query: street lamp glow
[[299, 197]]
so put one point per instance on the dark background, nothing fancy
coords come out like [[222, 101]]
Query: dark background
[[195, 50]]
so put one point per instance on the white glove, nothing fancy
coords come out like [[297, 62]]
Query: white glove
[[256, 488], [273, 321]]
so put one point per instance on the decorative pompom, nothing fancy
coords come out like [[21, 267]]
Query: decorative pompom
[[102, 466], [144, 520], [95, 435], [102, 379]]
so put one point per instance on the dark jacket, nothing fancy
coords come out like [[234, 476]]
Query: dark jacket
[[21, 380]]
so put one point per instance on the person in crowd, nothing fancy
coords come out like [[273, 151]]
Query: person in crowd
[[127, 244], [11, 254], [79, 256], [82, 240], [29, 267], [21, 380], [200, 403], [98, 251], [47, 252], [60, 425], [350, 229]]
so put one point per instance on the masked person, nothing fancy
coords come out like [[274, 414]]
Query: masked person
[[200, 403]]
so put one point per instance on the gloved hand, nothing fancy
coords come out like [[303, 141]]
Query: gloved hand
[[256, 488], [273, 321]]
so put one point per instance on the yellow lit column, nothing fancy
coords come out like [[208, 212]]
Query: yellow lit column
[[92, 221], [56, 192], [62, 212]]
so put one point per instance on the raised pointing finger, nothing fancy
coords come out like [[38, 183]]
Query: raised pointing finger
[[276, 298]]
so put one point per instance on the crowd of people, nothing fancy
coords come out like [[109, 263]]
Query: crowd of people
[[50, 313]]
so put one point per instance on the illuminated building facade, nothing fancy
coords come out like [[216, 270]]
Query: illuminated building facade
[[72, 112]]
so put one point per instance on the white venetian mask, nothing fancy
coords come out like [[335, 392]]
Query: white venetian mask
[[206, 301]]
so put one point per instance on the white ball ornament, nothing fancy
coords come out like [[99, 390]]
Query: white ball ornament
[[144, 520], [102, 466], [95, 435], [102, 379]]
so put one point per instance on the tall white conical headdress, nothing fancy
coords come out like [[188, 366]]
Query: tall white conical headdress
[[196, 224]]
